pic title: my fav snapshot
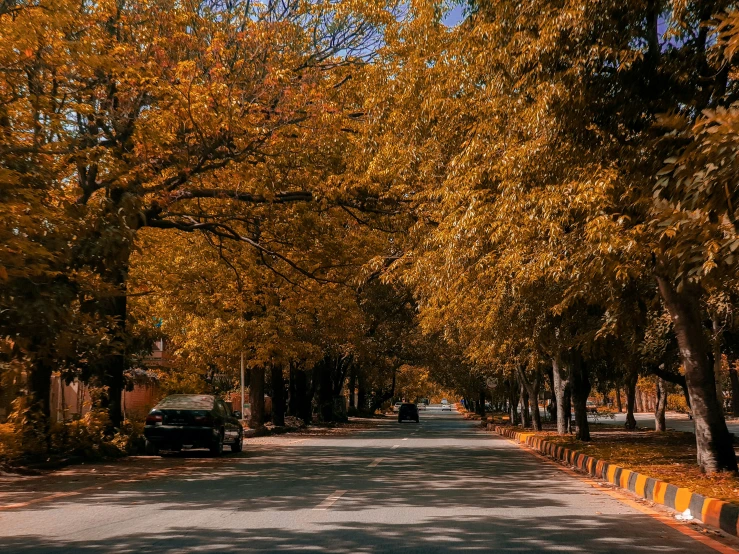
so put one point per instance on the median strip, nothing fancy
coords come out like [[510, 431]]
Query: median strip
[[710, 511]]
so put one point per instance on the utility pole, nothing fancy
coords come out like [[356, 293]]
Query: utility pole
[[242, 384]]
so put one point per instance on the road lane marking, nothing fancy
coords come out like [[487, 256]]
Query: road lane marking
[[330, 500], [405, 439], [375, 462], [395, 446], [297, 441]]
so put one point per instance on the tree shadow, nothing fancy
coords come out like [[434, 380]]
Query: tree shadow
[[455, 490]]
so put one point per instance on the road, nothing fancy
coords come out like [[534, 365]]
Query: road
[[675, 421], [439, 486]]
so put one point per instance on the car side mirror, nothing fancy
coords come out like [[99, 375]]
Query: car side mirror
[[237, 414]]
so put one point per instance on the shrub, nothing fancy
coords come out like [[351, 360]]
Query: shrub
[[677, 403]]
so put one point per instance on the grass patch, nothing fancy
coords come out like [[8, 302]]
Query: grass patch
[[669, 456]]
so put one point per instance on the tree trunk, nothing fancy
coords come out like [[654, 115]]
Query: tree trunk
[[619, 407], [580, 391], [303, 397], [39, 385], [661, 405], [512, 401], [714, 443], [639, 400], [560, 387], [352, 387], [116, 307], [718, 361], [734, 390], [292, 396], [256, 397], [322, 372], [361, 393], [631, 380], [278, 396], [339, 372], [481, 407], [39, 424], [523, 400], [534, 405], [532, 388], [553, 402]]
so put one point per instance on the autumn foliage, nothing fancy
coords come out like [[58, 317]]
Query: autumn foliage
[[539, 196]]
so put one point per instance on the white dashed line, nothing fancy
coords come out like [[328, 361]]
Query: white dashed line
[[395, 446], [375, 462]]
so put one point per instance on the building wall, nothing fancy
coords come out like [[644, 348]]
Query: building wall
[[70, 401], [139, 401]]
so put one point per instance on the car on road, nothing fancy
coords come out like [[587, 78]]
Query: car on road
[[445, 405], [591, 407], [193, 421], [397, 406], [421, 406], [408, 411]]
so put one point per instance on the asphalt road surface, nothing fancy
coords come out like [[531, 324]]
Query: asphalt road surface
[[439, 486], [675, 421]]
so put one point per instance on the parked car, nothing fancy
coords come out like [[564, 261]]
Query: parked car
[[194, 421], [591, 407], [408, 411]]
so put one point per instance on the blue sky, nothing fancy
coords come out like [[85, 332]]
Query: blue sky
[[454, 16]]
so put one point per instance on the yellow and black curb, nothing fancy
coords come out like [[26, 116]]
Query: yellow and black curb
[[710, 511]]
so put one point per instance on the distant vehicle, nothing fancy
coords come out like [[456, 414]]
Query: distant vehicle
[[444, 401], [194, 421], [591, 407], [408, 411], [397, 406], [445, 405], [421, 406]]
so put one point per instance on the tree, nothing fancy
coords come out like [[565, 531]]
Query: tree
[[543, 188], [197, 118]]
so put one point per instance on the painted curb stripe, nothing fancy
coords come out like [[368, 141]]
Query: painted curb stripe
[[710, 511]]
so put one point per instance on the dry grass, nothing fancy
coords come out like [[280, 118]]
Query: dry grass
[[669, 456]]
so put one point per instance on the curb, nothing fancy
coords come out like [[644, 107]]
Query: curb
[[710, 511]]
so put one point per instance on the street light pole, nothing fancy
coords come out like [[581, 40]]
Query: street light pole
[[242, 384]]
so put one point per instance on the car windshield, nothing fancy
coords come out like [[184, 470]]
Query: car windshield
[[186, 402]]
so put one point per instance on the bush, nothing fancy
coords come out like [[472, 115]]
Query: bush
[[23, 441], [677, 403]]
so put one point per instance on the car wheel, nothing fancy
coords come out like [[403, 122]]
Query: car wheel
[[418, 420], [238, 446], [216, 449], [152, 449]]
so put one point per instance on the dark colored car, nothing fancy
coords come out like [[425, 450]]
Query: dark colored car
[[194, 421], [408, 411]]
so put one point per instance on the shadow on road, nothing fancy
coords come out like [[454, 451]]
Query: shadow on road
[[447, 487]]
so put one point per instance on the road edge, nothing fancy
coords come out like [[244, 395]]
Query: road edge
[[710, 511]]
